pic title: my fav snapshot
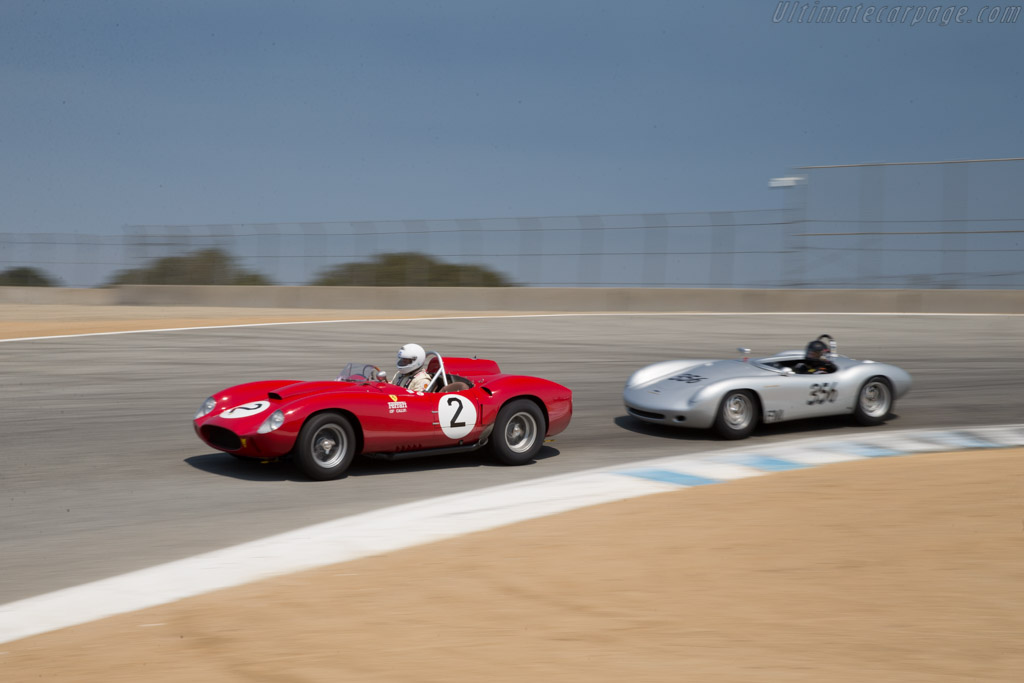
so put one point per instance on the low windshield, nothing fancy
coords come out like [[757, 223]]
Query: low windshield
[[357, 372]]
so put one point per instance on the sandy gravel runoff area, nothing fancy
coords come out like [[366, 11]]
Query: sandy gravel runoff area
[[891, 569]]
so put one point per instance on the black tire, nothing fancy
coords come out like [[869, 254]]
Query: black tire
[[518, 432], [326, 447], [874, 402], [737, 415]]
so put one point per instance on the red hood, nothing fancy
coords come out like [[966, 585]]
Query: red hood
[[299, 389]]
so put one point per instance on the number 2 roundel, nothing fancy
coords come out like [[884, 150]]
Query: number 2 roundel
[[245, 410], [457, 415]]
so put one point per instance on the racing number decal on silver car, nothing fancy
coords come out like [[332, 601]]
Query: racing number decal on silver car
[[825, 392], [688, 378], [457, 415]]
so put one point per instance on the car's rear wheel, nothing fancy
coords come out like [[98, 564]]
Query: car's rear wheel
[[518, 432], [874, 401], [326, 447], [737, 415]]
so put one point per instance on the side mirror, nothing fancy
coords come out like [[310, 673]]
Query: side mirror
[[788, 371], [382, 376]]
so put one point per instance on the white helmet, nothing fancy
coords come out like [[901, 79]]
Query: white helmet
[[410, 358]]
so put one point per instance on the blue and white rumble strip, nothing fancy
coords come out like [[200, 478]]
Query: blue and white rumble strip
[[403, 526]]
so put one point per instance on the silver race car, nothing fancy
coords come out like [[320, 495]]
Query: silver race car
[[733, 396]]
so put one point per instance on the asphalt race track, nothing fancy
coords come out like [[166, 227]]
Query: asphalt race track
[[100, 472]]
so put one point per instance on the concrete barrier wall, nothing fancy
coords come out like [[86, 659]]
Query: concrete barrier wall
[[589, 299], [58, 295]]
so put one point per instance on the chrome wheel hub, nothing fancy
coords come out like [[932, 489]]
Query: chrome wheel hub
[[874, 399], [738, 411], [521, 432], [329, 446]]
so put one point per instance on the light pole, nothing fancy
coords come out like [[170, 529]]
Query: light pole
[[793, 266]]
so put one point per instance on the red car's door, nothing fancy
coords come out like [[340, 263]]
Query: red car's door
[[396, 420], [402, 420], [457, 417]]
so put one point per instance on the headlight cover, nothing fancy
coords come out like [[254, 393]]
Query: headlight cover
[[275, 420], [207, 408]]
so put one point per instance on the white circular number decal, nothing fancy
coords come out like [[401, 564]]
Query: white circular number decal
[[457, 415], [246, 410]]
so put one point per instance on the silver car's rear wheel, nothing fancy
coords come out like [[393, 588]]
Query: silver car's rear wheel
[[737, 415], [874, 401]]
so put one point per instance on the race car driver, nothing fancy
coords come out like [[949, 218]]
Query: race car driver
[[412, 374], [815, 361]]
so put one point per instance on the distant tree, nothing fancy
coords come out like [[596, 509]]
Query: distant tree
[[204, 267], [26, 277], [409, 270]]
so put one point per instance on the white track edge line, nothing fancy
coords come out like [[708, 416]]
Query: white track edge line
[[529, 315]]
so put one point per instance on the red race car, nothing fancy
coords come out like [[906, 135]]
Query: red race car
[[323, 425]]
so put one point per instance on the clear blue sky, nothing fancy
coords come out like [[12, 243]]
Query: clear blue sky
[[230, 111]]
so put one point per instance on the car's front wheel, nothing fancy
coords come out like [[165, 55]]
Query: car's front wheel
[[737, 415], [326, 447], [518, 432], [873, 402]]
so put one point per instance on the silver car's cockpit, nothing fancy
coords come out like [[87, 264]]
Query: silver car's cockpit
[[782, 363], [786, 362]]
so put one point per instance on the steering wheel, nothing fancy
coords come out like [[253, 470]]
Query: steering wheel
[[358, 377]]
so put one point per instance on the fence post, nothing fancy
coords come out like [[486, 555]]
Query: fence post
[[723, 246], [531, 238], [591, 244], [954, 216], [655, 248], [469, 240], [872, 211]]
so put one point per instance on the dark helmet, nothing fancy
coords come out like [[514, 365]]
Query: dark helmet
[[816, 349]]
